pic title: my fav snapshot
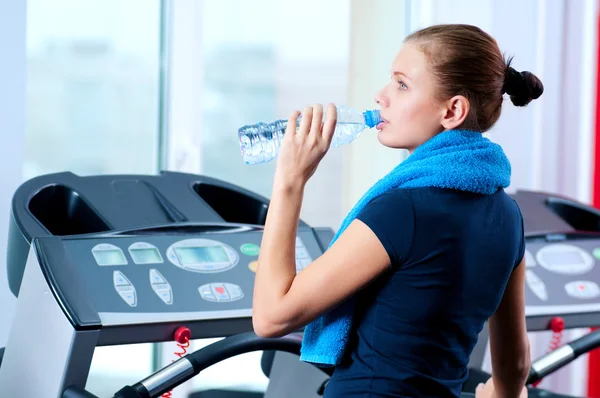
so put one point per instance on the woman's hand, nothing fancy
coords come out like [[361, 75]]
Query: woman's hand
[[302, 150], [487, 390]]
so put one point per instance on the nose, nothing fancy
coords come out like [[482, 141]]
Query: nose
[[380, 98]]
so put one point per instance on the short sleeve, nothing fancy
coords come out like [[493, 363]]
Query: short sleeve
[[391, 218], [522, 245]]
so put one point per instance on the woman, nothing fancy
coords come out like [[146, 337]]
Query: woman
[[429, 254]]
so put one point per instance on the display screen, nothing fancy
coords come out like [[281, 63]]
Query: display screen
[[146, 255], [201, 255], [110, 257], [563, 258]]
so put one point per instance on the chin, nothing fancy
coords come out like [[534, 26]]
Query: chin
[[390, 139]]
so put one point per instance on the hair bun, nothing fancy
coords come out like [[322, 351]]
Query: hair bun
[[523, 87]]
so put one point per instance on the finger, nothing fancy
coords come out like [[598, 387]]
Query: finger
[[317, 120], [306, 121], [479, 391], [330, 123], [290, 130]]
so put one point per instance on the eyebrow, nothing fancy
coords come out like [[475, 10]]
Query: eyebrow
[[402, 74]]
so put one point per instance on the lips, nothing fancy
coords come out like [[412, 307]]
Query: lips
[[382, 124]]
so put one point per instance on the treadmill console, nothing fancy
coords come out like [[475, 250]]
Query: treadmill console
[[562, 276], [562, 250], [163, 277]]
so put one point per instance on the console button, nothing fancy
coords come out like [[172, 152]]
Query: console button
[[161, 287], [125, 288], [536, 285], [582, 289]]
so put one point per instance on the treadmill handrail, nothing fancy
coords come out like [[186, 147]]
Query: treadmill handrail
[[195, 362], [190, 365], [562, 356]]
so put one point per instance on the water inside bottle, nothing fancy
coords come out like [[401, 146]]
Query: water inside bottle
[[345, 133], [261, 142]]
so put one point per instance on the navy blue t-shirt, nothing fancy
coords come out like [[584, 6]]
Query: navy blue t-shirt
[[452, 254]]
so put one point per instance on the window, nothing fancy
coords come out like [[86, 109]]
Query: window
[[92, 108], [92, 86], [234, 63]]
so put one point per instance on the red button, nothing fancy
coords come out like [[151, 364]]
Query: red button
[[220, 290], [581, 287]]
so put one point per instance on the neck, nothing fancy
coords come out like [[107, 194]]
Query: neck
[[412, 149]]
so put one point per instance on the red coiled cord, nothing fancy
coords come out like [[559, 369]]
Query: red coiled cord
[[557, 325], [182, 336]]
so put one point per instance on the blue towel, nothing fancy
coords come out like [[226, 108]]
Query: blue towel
[[456, 159]]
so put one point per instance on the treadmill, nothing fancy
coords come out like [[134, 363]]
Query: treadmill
[[109, 260]]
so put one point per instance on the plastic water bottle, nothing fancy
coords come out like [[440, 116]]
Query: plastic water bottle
[[261, 142]]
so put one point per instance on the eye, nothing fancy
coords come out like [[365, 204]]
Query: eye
[[402, 85]]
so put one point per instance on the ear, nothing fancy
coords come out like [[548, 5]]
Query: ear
[[455, 111]]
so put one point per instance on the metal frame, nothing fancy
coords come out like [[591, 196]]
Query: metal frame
[[164, 97], [43, 364]]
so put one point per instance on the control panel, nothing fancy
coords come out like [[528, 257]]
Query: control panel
[[562, 276], [167, 277]]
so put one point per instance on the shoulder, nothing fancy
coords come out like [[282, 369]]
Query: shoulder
[[390, 216], [444, 200], [393, 197], [394, 203]]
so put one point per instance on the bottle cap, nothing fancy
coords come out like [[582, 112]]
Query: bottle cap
[[372, 118]]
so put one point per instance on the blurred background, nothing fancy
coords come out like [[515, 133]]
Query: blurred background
[[139, 86]]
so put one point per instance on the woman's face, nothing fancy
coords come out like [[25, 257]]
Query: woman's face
[[408, 106]]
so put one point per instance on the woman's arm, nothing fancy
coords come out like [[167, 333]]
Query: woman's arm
[[283, 301], [509, 343]]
